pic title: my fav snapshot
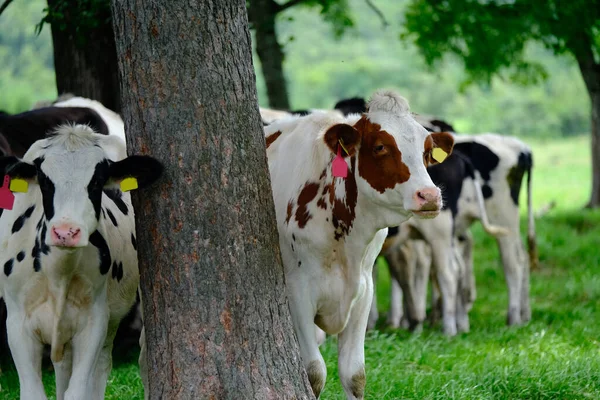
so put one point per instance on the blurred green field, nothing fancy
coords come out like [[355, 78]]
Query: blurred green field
[[556, 356]]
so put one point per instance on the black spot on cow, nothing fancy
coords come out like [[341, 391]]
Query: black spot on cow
[[117, 197], [19, 222], [299, 263], [44, 248], [35, 254], [8, 266], [515, 175], [292, 244], [97, 240], [133, 242], [354, 105], [104, 214], [484, 161], [442, 125], [450, 176], [39, 224], [21, 256], [112, 217], [293, 237], [97, 182], [117, 271], [47, 189]]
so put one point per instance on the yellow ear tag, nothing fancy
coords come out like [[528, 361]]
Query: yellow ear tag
[[128, 184], [19, 185], [439, 155]]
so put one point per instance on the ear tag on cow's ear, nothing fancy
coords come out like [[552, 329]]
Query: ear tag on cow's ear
[[439, 155], [339, 168], [7, 199], [18, 185], [128, 184]]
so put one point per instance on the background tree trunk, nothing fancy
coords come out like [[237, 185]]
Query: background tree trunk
[[216, 313], [590, 71], [262, 14], [87, 66]]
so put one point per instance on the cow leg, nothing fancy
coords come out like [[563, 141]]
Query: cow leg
[[463, 295], [27, 355], [513, 273], [525, 306], [104, 365], [351, 347], [421, 279], [465, 242], [87, 347], [374, 312], [62, 370], [447, 281], [303, 317], [396, 309]]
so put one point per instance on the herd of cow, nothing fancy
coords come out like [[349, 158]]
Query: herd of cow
[[345, 184]]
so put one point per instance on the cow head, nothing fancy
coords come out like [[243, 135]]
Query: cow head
[[71, 168], [392, 152]]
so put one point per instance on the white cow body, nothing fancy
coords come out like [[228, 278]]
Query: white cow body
[[70, 262], [331, 229]]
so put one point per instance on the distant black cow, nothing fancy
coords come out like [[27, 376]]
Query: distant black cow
[[22, 130]]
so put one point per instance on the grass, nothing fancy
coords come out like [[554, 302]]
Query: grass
[[555, 356]]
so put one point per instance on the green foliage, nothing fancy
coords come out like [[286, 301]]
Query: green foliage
[[491, 37], [555, 356], [77, 16], [27, 72], [322, 70]]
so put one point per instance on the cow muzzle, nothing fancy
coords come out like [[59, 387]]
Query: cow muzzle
[[428, 202], [65, 235]]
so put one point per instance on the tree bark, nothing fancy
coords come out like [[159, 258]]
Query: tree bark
[[216, 314], [87, 66], [590, 71], [262, 14]]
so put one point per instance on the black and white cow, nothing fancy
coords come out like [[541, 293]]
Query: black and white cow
[[498, 164], [69, 257], [22, 130]]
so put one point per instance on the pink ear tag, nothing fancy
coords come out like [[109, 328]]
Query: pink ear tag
[[339, 168], [7, 199]]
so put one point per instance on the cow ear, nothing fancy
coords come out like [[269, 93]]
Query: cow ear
[[343, 134], [17, 169], [443, 143], [144, 169]]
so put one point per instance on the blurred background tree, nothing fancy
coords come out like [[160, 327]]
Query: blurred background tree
[[322, 68], [492, 37]]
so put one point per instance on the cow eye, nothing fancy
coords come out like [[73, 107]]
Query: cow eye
[[379, 149]]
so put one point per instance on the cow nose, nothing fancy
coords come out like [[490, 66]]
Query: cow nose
[[65, 235], [428, 201]]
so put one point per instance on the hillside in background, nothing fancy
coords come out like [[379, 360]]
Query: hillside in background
[[321, 70]]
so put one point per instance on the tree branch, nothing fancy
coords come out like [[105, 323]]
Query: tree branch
[[4, 5], [378, 12], [289, 4]]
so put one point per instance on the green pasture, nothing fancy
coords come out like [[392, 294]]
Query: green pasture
[[556, 356]]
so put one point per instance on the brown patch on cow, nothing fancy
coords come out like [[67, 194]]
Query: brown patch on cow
[[315, 377], [321, 203], [343, 212], [380, 160], [347, 134], [290, 208], [358, 383], [272, 137], [307, 194]]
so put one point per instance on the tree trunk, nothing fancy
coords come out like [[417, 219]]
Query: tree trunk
[[216, 314], [262, 14], [590, 70], [87, 66]]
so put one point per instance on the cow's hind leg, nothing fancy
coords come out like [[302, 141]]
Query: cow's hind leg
[[62, 370], [513, 273], [27, 355], [351, 347]]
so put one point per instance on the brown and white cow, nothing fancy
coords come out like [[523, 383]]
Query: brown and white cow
[[331, 229]]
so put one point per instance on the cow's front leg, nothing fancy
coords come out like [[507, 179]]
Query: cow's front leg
[[303, 316], [27, 354], [87, 346], [62, 370], [351, 347], [447, 280]]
